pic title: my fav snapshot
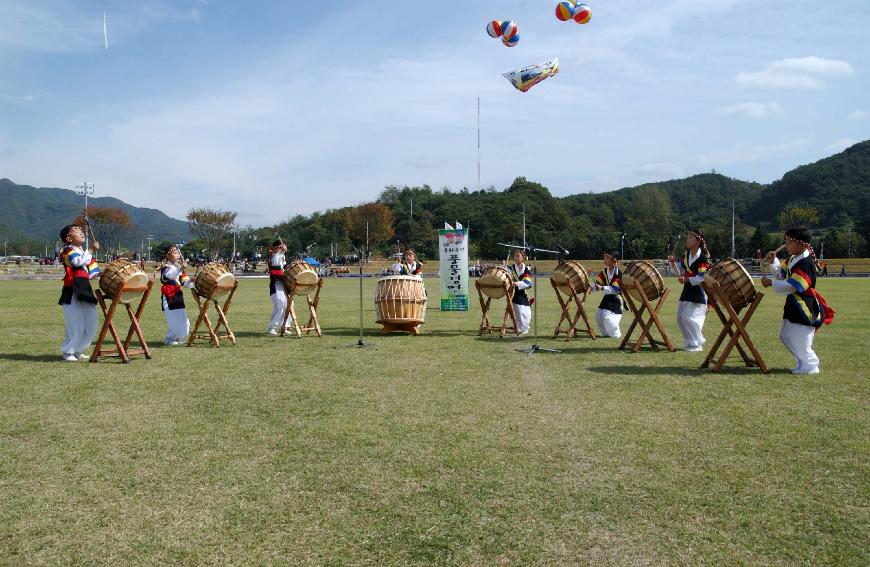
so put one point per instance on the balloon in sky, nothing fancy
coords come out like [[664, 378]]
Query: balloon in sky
[[582, 13], [509, 29], [493, 28], [527, 77], [565, 11], [512, 41]]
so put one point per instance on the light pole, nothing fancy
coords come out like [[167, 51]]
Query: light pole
[[622, 247], [85, 189], [149, 238]]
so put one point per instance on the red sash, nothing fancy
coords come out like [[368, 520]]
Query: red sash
[[169, 290], [827, 311]]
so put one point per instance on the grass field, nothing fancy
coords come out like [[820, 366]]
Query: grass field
[[438, 449]]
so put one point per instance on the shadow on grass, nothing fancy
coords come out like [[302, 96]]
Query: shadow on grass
[[375, 332], [22, 357], [614, 348], [693, 372]]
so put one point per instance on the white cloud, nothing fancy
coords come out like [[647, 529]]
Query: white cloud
[[841, 144], [750, 153], [751, 109], [52, 26], [812, 66], [859, 115], [794, 73]]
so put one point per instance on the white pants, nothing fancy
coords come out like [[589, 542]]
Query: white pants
[[608, 323], [177, 323], [523, 313], [80, 326], [798, 339], [279, 307], [690, 318]]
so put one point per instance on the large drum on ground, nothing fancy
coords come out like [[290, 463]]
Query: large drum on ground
[[123, 273], [492, 281], [214, 281], [646, 276], [734, 280], [571, 272], [300, 277], [400, 300]]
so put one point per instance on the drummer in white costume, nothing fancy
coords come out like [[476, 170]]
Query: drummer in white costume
[[275, 262], [609, 281], [522, 276], [172, 279], [409, 265], [692, 307]]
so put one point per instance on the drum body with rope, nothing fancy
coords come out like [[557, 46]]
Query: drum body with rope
[[400, 300], [735, 281], [493, 280], [120, 273], [571, 272], [300, 278], [214, 281], [645, 275]]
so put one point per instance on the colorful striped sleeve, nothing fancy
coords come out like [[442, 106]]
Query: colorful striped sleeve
[[800, 280], [72, 258], [93, 269]]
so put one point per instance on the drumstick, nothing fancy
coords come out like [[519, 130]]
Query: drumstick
[[91, 230], [762, 263]]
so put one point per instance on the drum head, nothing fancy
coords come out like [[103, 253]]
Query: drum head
[[223, 285], [306, 279], [140, 280], [492, 286]]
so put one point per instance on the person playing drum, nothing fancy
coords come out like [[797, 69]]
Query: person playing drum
[[609, 281], [805, 310], [275, 262], [692, 307], [172, 279], [522, 277], [409, 266], [77, 297]]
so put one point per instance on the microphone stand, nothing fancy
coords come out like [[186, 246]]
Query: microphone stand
[[532, 251], [361, 343]]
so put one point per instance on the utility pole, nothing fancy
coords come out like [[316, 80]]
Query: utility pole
[[733, 252], [149, 238], [85, 189], [850, 242]]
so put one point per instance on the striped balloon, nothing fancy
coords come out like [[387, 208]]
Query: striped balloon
[[565, 11], [515, 39], [582, 13], [493, 28], [509, 29]]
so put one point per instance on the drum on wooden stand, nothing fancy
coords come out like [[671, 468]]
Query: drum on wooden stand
[[645, 275], [300, 278], [571, 272], [214, 281], [493, 280], [400, 302], [123, 273], [736, 284]]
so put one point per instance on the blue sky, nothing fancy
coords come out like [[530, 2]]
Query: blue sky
[[273, 108]]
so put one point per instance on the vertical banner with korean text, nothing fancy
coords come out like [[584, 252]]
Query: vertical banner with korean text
[[453, 251]]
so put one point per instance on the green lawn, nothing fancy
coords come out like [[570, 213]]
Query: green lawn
[[443, 448]]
